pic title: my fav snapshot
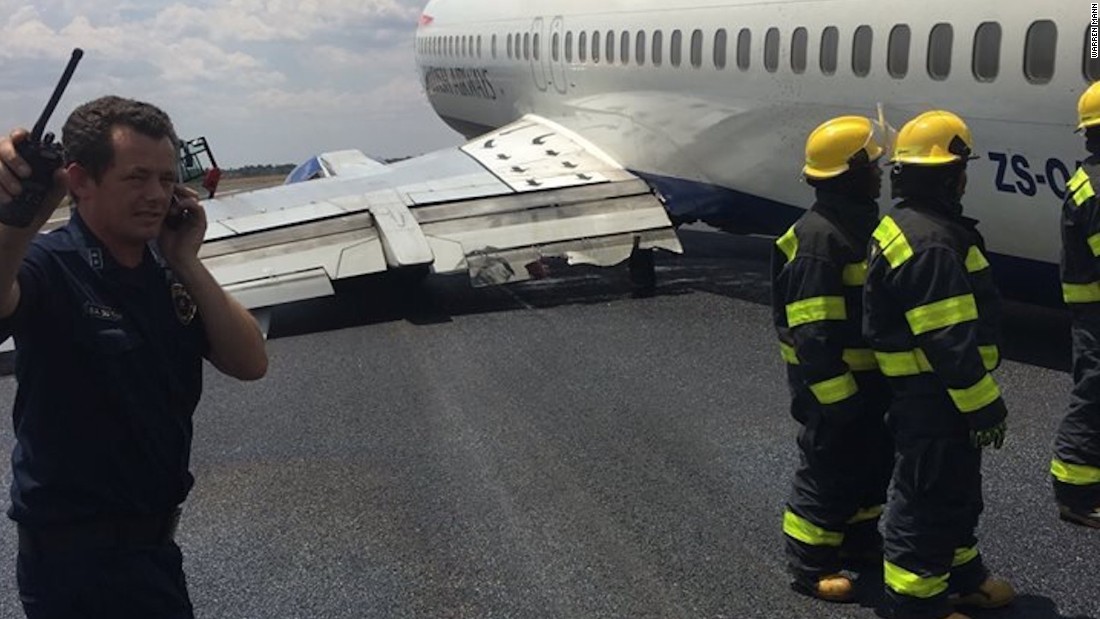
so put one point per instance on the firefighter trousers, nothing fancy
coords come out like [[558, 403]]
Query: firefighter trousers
[[929, 546], [839, 487], [1076, 465]]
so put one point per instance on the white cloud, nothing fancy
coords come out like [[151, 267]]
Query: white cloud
[[230, 66]]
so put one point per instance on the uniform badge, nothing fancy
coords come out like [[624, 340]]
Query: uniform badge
[[185, 306]]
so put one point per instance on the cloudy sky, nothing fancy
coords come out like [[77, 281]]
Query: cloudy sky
[[266, 81]]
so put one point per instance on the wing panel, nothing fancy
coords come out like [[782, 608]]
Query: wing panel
[[530, 190]]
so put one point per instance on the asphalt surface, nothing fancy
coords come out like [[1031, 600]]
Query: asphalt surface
[[557, 449]]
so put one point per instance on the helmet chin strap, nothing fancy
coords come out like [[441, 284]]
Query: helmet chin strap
[[1092, 140]]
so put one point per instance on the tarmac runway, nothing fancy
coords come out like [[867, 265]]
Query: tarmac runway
[[557, 449]]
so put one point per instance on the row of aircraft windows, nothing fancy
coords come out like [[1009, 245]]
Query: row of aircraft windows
[[1039, 49]]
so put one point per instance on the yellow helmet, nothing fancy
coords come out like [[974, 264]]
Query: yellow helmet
[[1088, 108], [933, 138], [837, 144]]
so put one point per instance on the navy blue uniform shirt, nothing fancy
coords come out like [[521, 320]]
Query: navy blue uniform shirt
[[109, 364]]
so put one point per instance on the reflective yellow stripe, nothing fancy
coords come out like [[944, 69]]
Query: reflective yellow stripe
[[835, 389], [787, 352], [942, 314], [1084, 192], [1080, 185], [816, 309], [982, 393], [1081, 293], [1094, 244], [905, 582], [913, 362], [857, 359], [855, 274], [865, 514], [1075, 474], [991, 356], [788, 244], [1079, 178], [895, 247], [975, 260], [809, 533], [907, 363], [964, 556], [860, 359]]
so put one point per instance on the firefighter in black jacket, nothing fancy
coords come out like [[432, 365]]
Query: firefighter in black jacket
[[837, 394], [932, 317], [1076, 464]]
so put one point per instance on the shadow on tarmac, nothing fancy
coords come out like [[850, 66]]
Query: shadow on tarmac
[[714, 262]]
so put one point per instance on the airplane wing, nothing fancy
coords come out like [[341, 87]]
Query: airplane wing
[[492, 207]]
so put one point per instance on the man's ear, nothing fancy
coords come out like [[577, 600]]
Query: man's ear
[[81, 182]]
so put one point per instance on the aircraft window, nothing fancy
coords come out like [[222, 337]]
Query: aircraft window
[[939, 51], [697, 48], [771, 50], [658, 47], [744, 48], [830, 43], [555, 47], [720, 49], [479, 46], [596, 46], [1091, 67], [582, 47], [987, 51], [897, 60], [493, 46], [526, 45], [569, 46], [674, 51], [609, 45], [624, 47], [800, 40], [861, 51], [509, 46], [535, 47], [466, 47], [1042, 40], [639, 48], [450, 46]]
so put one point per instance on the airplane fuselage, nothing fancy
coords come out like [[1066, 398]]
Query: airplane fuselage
[[711, 101]]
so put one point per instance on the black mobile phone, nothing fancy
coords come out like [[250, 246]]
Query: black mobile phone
[[177, 215]]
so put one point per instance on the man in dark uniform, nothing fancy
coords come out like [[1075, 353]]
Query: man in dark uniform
[[111, 315], [931, 313], [837, 394], [1076, 463]]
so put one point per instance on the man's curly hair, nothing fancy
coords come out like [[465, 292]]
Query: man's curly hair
[[86, 136]]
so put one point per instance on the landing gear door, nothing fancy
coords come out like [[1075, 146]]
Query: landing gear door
[[539, 60], [557, 55]]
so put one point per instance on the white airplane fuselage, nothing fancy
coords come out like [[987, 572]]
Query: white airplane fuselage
[[724, 143]]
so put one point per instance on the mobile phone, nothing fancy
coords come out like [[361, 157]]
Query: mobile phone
[[177, 215]]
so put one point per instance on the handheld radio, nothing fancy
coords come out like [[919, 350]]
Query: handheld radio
[[43, 155]]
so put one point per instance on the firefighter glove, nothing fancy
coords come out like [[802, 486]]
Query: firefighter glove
[[994, 436]]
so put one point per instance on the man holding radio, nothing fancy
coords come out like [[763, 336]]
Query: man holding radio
[[112, 315]]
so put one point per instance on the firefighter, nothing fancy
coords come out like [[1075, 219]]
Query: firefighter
[[932, 318], [837, 394], [1076, 464]]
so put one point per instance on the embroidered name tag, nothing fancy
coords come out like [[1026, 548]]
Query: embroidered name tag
[[102, 312]]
